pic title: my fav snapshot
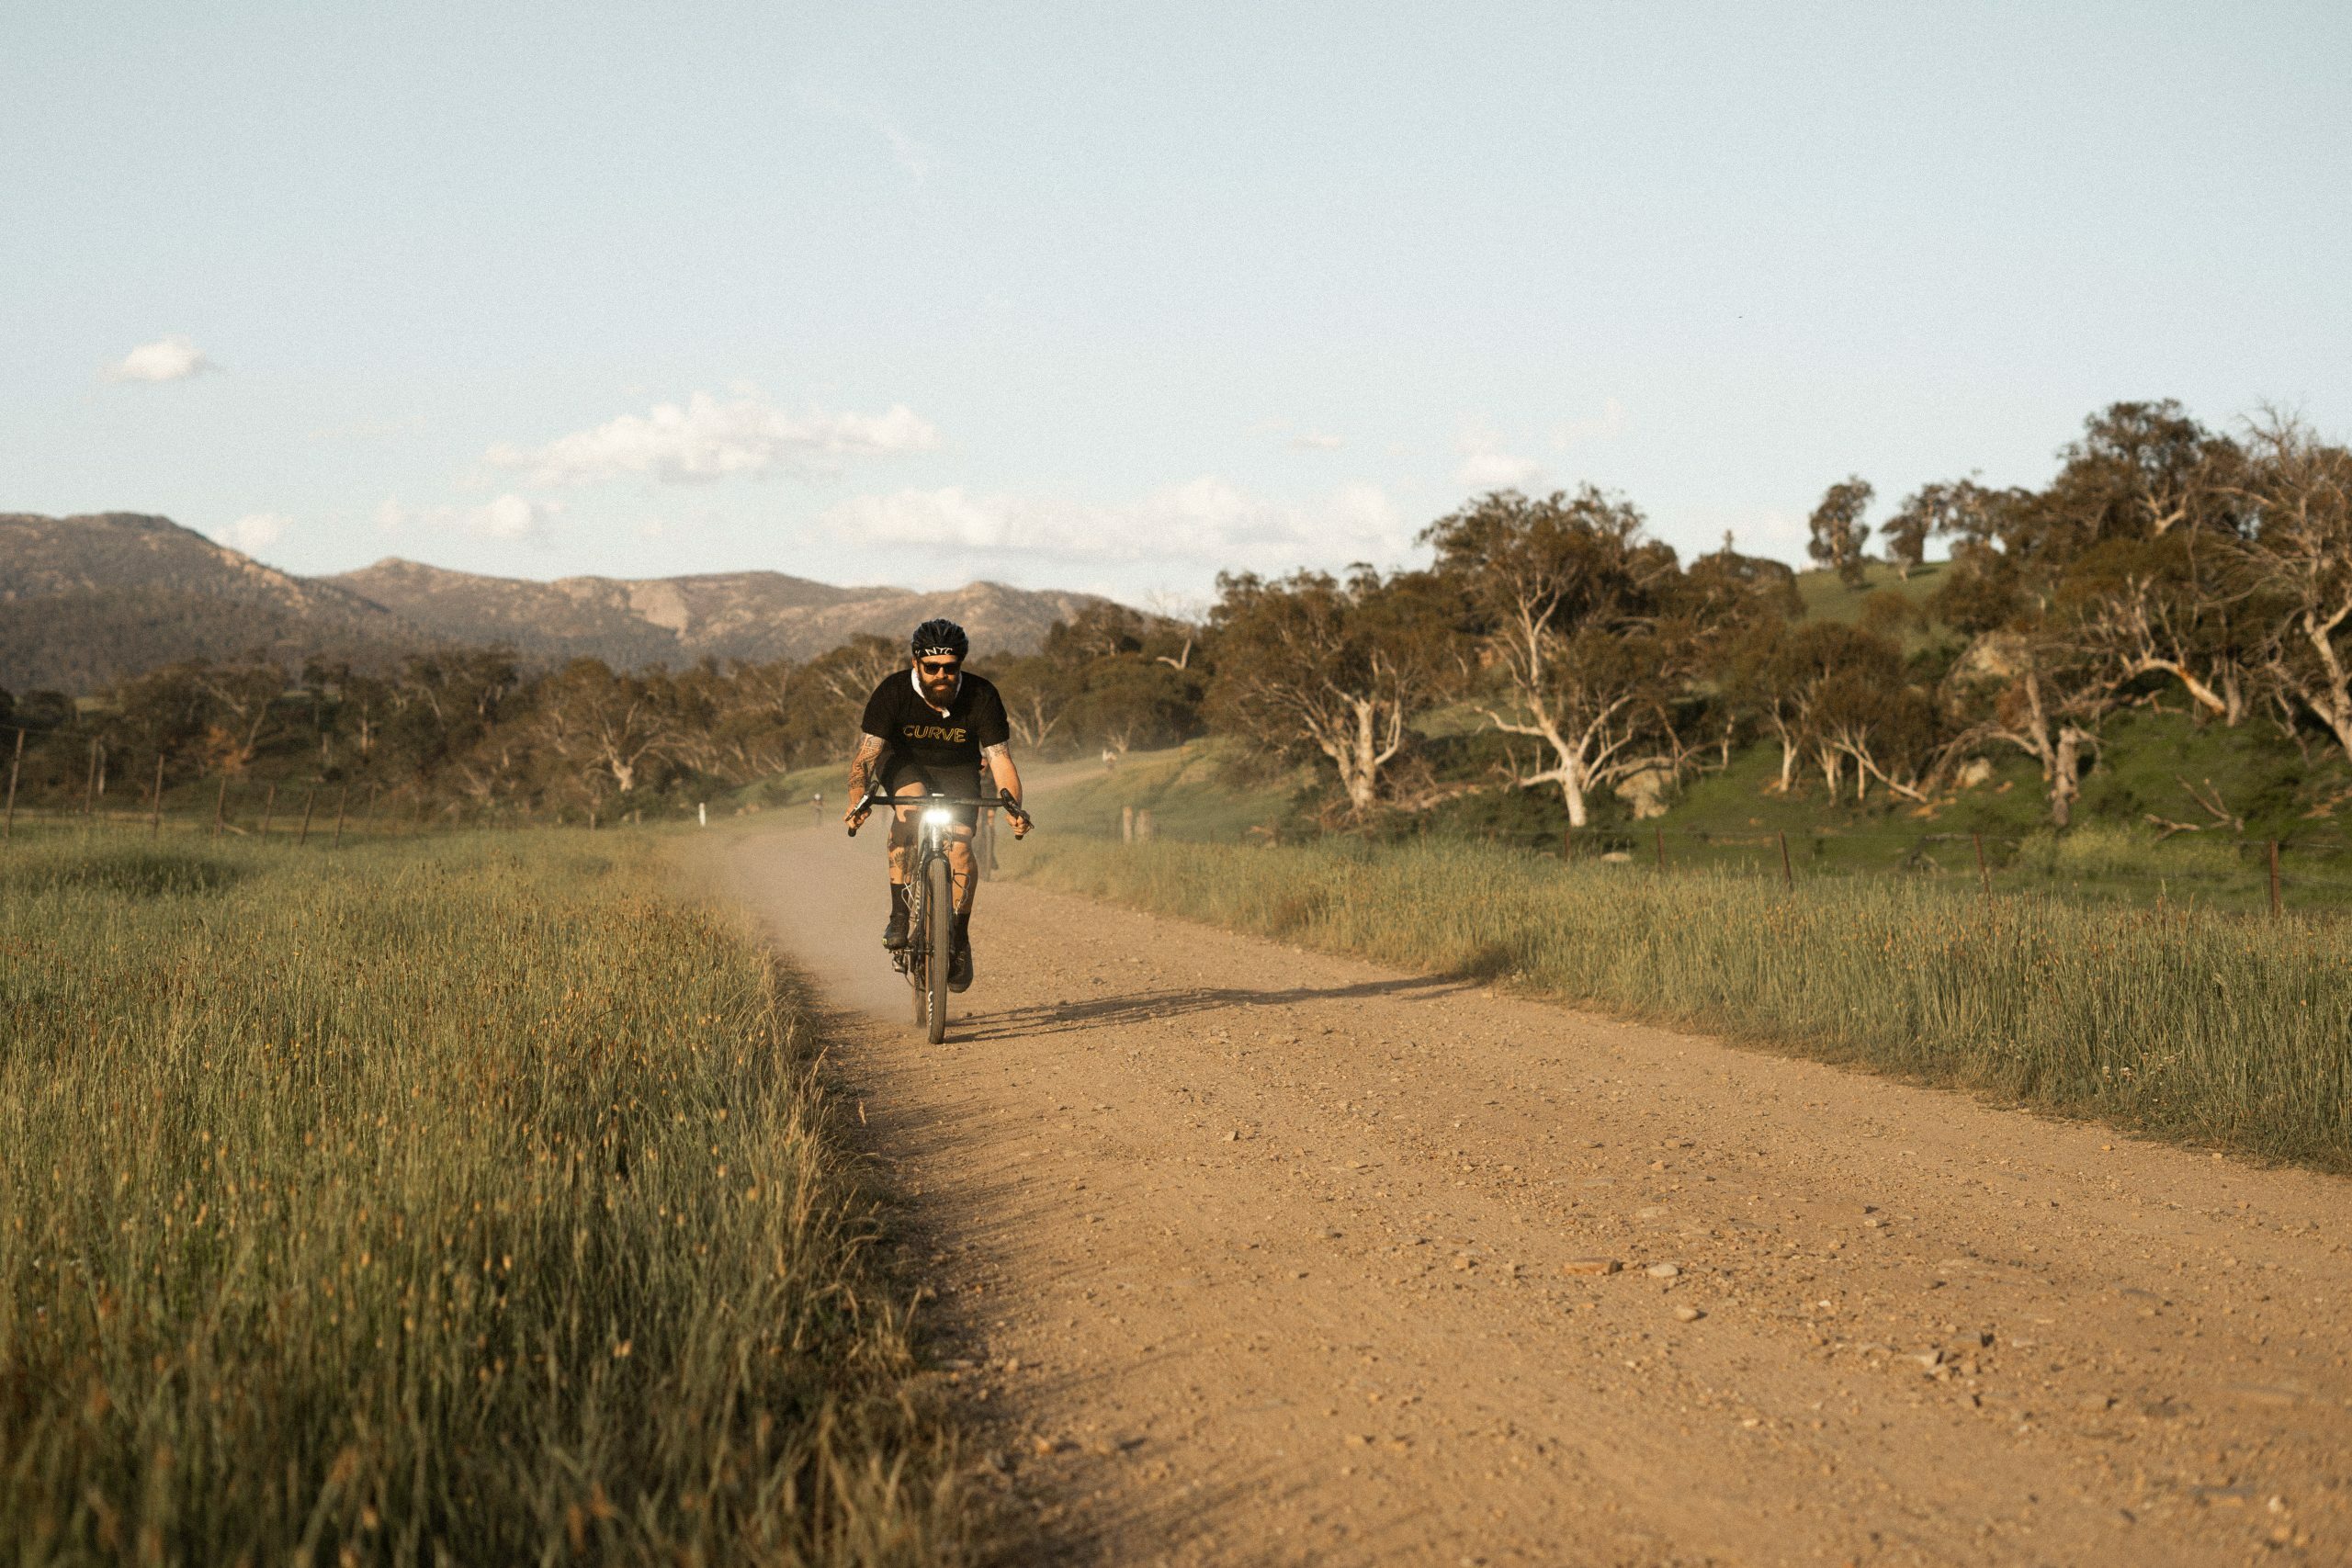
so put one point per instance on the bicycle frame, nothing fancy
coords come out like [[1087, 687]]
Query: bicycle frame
[[931, 914]]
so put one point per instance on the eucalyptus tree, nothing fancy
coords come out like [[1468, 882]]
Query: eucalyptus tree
[[1332, 668], [1573, 606], [2299, 488], [1839, 537]]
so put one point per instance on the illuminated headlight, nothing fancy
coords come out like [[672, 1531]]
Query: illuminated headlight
[[938, 815]]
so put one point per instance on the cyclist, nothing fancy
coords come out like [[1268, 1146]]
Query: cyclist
[[930, 730]]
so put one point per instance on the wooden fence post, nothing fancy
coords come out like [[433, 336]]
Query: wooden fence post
[[1788, 873], [310, 798], [268, 802], [2275, 906], [90, 784], [1126, 824], [342, 797], [1984, 874], [156, 808], [1662, 847], [221, 806], [15, 760]]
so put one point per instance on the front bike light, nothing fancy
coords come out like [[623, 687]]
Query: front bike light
[[938, 816]]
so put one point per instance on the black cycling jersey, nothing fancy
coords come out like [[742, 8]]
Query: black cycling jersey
[[914, 731]]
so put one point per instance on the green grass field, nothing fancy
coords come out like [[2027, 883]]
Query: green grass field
[[445, 1199], [2193, 1026]]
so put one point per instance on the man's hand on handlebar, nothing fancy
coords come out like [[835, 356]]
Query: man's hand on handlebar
[[854, 818]]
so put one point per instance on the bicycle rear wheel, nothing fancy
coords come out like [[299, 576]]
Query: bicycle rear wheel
[[939, 942]]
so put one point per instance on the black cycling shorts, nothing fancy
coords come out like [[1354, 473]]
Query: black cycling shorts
[[935, 780]]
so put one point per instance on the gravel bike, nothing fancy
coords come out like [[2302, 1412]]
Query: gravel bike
[[931, 896]]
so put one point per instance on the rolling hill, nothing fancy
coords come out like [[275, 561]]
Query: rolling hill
[[84, 600], [736, 614]]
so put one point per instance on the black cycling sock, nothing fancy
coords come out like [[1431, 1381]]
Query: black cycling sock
[[963, 928], [897, 899]]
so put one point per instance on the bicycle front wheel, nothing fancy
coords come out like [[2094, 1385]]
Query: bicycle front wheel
[[910, 962], [939, 943]]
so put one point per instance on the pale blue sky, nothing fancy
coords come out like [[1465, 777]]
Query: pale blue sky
[[1108, 297]]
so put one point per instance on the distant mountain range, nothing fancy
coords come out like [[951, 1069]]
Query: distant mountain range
[[84, 600]]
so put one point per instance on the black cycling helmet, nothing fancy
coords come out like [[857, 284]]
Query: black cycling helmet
[[941, 639]]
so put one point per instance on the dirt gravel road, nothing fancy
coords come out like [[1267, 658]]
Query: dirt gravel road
[[1248, 1255]]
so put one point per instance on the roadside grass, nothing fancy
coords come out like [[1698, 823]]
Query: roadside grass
[[2190, 1025], [456, 1198]]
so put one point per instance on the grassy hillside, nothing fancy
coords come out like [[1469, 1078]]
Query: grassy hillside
[[464, 1199], [1828, 597], [1193, 791], [1732, 818]]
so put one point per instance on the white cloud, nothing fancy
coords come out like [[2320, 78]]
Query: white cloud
[[508, 518], [172, 358], [707, 439], [253, 533], [1486, 466], [1607, 426], [1207, 520]]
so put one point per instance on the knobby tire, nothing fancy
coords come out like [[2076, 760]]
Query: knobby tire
[[939, 942]]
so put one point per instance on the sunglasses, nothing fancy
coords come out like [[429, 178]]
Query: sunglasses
[[939, 666]]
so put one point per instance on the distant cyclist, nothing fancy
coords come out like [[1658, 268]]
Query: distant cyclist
[[930, 730]]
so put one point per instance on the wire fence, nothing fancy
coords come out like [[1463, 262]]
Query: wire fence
[[2311, 871], [215, 805], [259, 807], [2269, 872]]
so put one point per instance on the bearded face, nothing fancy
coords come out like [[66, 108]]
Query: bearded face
[[937, 676]]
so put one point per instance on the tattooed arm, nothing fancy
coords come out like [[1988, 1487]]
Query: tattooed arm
[[998, 760], [861, 776]]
